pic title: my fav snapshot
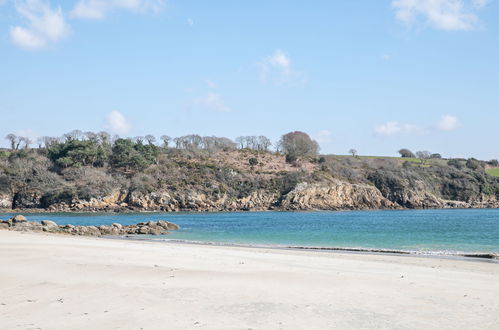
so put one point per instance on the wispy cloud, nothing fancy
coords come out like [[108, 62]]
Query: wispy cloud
[[394, 128], [278, 68], [448, 15], [324, 136], [213, 102], [44, 25], [117, 123], [448, 123], [99, 9], [190, 21]]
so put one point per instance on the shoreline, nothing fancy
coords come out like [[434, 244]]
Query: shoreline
[[120, 211], [476, 257], [60, 282]]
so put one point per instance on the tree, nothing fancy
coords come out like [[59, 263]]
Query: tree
[[132, 155], [241, 141], [26, 140], [298, 144], [406, 153], [12, 139], [77, 153], [423, 156], [166, 140], [436, 156], [150, 139], [353, 152], [263, 143]]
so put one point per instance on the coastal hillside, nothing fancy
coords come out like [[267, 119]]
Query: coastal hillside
[[95, 172]]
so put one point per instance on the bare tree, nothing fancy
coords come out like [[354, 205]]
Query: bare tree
[[12, 139], [166, 140], [423, 156], [26, 141], [104, 138], [150, 139], [91, 136], [139, 139], [74, 135], [298, 144], [264, 143], [241, 141]]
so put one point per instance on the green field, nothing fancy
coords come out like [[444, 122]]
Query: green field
[[493, 171]]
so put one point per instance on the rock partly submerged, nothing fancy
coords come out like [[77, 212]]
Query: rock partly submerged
[[20, 223]]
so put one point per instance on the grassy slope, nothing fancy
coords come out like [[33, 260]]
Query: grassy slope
[[493, 171]]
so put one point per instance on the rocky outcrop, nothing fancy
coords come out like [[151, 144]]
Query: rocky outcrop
[[331, 194], [19, 223], [335, 196], [5, 201]]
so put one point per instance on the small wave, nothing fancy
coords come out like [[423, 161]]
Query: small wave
[[440, 253]]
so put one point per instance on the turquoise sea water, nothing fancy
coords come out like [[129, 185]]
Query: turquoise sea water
[[425, 231]]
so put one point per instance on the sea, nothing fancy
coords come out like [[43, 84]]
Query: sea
[[431, 232]]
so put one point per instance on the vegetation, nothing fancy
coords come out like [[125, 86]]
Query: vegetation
[[82, 166]]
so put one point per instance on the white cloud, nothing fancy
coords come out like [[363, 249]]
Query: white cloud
[[449, 15], [391, 128], [323, 136], [99, 9], [44, 26], [278, 68], [211, 83], [395, 127], [117, 123], [213, 102], [448, 123]]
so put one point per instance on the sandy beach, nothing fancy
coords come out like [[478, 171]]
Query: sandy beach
[[63, 282]]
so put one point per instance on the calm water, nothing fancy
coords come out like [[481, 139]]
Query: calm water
[[446, 231]]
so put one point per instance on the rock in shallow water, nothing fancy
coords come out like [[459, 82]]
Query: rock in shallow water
[[144, 228]]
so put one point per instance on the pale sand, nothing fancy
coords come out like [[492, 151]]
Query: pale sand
[[62, 282]]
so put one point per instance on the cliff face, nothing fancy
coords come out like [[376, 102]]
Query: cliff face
[[331, 195], [335, 196]]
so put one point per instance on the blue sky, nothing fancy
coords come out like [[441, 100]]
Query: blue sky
[[372, 75]]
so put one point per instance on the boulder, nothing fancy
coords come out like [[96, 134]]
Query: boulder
[[48, 223], [18, 218]]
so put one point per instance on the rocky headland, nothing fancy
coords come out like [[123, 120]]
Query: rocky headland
[[20, 223]]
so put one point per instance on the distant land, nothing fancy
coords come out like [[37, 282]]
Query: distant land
[[95, 172]]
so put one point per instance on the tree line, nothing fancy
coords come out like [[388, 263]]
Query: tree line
[[77, 148]]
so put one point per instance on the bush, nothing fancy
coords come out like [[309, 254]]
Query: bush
[[291, 158], [253, 161], [406, 153], [473, 164], [455, 163]]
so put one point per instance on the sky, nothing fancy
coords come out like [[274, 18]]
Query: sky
[[376, 76]]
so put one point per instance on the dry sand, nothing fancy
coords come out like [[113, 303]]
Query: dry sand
[[62, 282]]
